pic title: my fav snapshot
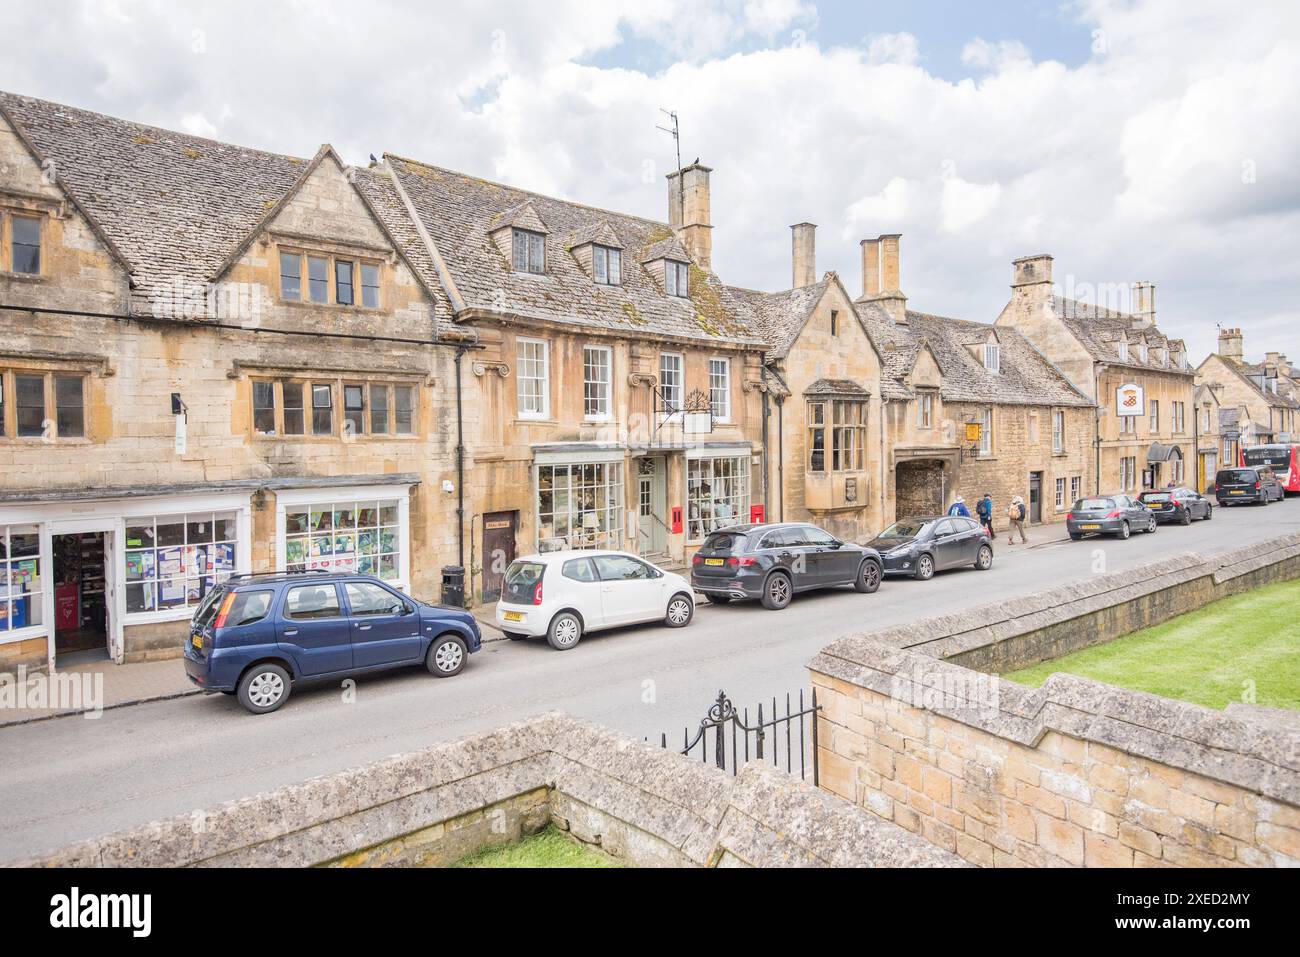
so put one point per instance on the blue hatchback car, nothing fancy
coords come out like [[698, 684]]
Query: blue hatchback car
[[255, 635]]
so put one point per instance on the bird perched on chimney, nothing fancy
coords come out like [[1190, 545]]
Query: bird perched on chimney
[[373, 161]]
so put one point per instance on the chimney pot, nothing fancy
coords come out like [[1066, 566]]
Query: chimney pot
[[870, 267], [803, 238]]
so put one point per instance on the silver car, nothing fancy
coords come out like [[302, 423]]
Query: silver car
[[1118, 515]]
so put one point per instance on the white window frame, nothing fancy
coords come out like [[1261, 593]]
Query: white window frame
[[677, 280], [1060, 494], [606, 490], [924, 409], [1153, 416], [1076, 488], [679, 386], [721, 410], [545, 378], [1058, 430], [737, 499], [986, 432], [1122, 349], [606, 411], [993, 357], [286, 499]]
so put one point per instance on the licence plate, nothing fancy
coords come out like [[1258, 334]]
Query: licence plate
[[713, 561], [1091, 528], [1236, 491], [514, 616], [197, 642]]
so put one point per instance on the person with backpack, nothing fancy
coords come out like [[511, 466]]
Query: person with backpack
[[984, 509], [1016, 514], [959, 508]]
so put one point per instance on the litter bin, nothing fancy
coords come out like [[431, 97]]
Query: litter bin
[[453, 586]]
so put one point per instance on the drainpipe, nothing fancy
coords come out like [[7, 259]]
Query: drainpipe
[[884, 471], [460, 464], [1096, 427], [780, 456], [767, 412]]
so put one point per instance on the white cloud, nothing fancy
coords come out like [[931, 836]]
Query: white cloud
[[1129, 165]]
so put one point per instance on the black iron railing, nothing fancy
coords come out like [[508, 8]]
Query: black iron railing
[[796, 729]]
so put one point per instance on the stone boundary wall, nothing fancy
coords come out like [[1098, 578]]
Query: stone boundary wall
[[1074, 773], [640, 803], [1020, 632]]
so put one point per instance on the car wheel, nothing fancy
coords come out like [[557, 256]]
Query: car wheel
[[1076, 536], [1187, 517], [985, 560], [777, 591], [1151, 526], [924, 568], [514, 635], [1125, 531], [565, 631], [1209, 512], [446, 656], [680, 611], [869, 575], [719, 599], [264, 688]]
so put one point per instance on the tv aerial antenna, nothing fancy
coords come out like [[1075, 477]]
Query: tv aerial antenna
[[675, 132]]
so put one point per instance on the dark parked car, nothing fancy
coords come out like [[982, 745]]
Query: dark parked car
[[922, 546], [1254, 484], [1181, 505], [255, 635], [1119, 515], [774, 562]]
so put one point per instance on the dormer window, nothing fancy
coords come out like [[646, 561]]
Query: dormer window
[[993, 357], [528, 251], [607, 265], [1143, 353], [676, 280], [1123, 350]]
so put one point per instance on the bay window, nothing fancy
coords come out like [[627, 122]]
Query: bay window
[[717, 493]]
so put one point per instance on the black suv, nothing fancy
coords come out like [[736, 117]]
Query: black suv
[[1181, 505], [1256, 484], [773, 562]]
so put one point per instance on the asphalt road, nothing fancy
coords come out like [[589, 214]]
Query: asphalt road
[[68, 779]]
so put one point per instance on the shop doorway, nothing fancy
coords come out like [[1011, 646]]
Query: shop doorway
[[83, 596], [498, 551], [652, 507], [1035, 498]]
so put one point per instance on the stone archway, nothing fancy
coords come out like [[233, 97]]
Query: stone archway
[[920, 487]]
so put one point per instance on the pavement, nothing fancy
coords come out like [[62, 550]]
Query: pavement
[[69, 778]]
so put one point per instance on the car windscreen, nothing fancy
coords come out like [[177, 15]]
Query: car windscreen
[[906, 529], [522, 579], [1237, 477], [723, 543], [1094, 504]]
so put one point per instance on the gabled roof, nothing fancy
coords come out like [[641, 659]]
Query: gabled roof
[[174, 205], [779, 317], [1026, 377], [522, 216], [836, 387], [1247, 373], [458, 213], [601, 232], [1101, 329]]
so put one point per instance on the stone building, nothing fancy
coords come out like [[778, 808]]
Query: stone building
[[214, 360], [823, 401], [970, 408], [1139, 378], [618, 380], [1265, 391]]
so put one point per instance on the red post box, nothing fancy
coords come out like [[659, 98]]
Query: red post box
[[756, 514], [677, 519]]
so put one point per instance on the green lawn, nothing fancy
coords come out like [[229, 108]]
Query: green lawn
[[1207, 656], [548, 848]]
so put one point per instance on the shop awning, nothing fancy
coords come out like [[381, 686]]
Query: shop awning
[[1164, 453]]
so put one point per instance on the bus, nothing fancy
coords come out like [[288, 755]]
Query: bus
[[1283, 459]]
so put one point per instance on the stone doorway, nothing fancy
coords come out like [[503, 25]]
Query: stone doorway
[[920, 488]]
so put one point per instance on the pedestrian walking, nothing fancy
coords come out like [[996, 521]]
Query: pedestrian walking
[[984, 509], [1016, 514], [959, 507]]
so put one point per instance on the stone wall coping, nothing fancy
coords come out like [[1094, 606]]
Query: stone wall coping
[[1255, 755], [760, 815]]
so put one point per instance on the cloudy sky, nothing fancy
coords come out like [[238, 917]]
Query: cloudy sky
[[1149, 140]]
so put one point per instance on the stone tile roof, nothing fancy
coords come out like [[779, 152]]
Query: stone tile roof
[[175, 205], [1100, 329], [1251, 372], [1026, 377], [835, 387], [779, 317], [459, 212]]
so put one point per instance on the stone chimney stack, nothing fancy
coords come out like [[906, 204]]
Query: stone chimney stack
[[1231, 344], [804, 254], [1144, 305], [870, 268], [689, 211], [880, 275]]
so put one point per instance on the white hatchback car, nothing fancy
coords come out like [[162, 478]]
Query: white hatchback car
[[563, 595]]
